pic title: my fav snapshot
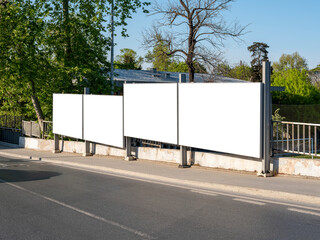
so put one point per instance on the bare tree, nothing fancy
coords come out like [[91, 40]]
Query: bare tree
[[192, 29]]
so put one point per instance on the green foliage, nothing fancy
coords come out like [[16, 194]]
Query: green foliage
[[298, 90], [178, 67], [54, 46], [158, 56], [123, 10], [223, 69], [163, 61], [183, 67], [128, 59], [316, 69], [240, 71], [299, 113], [276, 116], [259, 54], [290, 61], [50, 136], [22, 56]]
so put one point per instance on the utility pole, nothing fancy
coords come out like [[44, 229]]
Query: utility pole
[[112, 46]]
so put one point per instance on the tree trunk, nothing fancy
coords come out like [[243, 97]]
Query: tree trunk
[[191, 71], [191, 47], [38, 110], [37, 106]]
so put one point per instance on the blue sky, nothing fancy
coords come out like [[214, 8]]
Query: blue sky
[[286, 26]]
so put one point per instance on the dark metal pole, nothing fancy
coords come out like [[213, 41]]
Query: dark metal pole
[[87, 143], [112, 46], [266, 70], [56, 144]]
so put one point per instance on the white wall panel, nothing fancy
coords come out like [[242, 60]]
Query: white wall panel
[[103, 119], [224, 117], [67, 115], [150, 111]]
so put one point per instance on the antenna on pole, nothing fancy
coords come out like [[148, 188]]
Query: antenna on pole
[[112, 46]]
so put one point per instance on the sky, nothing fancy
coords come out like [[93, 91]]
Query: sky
[[287, 26]]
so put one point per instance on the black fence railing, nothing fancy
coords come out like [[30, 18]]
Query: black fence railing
[[10, 128]]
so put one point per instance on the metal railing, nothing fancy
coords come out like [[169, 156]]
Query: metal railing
[[47, 128], [32, 129], [295, 137], [137, 142], [10, 128]]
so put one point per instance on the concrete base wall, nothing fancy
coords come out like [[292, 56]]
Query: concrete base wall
[[227, 162], [199, 158], [155, 154], [291, 166], [69, 146], [298, 166]]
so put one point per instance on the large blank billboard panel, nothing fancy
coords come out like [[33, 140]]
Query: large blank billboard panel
[[103, 119], [224, 117], [67, 115], [150, 111]]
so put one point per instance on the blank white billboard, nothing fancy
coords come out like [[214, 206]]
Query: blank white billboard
[[67, 115], [224, 117], [103, 119], [150, 111]]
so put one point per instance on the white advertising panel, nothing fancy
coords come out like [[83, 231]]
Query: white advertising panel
[[67, 115], [150, 111], [103, 119], [224, 117]]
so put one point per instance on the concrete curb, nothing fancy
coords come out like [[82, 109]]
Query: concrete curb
[[307, 199]]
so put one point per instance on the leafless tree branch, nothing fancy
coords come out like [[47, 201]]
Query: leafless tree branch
[[205, 27]]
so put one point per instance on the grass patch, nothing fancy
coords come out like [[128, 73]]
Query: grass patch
[[305, 156]]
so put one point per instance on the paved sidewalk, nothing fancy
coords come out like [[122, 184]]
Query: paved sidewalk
[[297, 189]]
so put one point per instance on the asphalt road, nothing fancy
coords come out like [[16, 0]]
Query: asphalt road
[[43, 201]]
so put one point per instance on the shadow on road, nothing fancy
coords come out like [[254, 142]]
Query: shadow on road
[[4, 145], [10, 175]]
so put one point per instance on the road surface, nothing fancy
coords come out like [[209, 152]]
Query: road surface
[[44, 201]]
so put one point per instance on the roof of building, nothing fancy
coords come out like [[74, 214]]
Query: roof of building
[[145, 76]]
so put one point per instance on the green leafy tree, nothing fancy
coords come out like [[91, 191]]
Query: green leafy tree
[[259, 54], [128, 59], [316, 69], [23, 59], [241, 71], [177, 66], [183, 67], [298, 89], [54, 46], [158, 56], [163, 61], [223, 69], [290, 61]]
